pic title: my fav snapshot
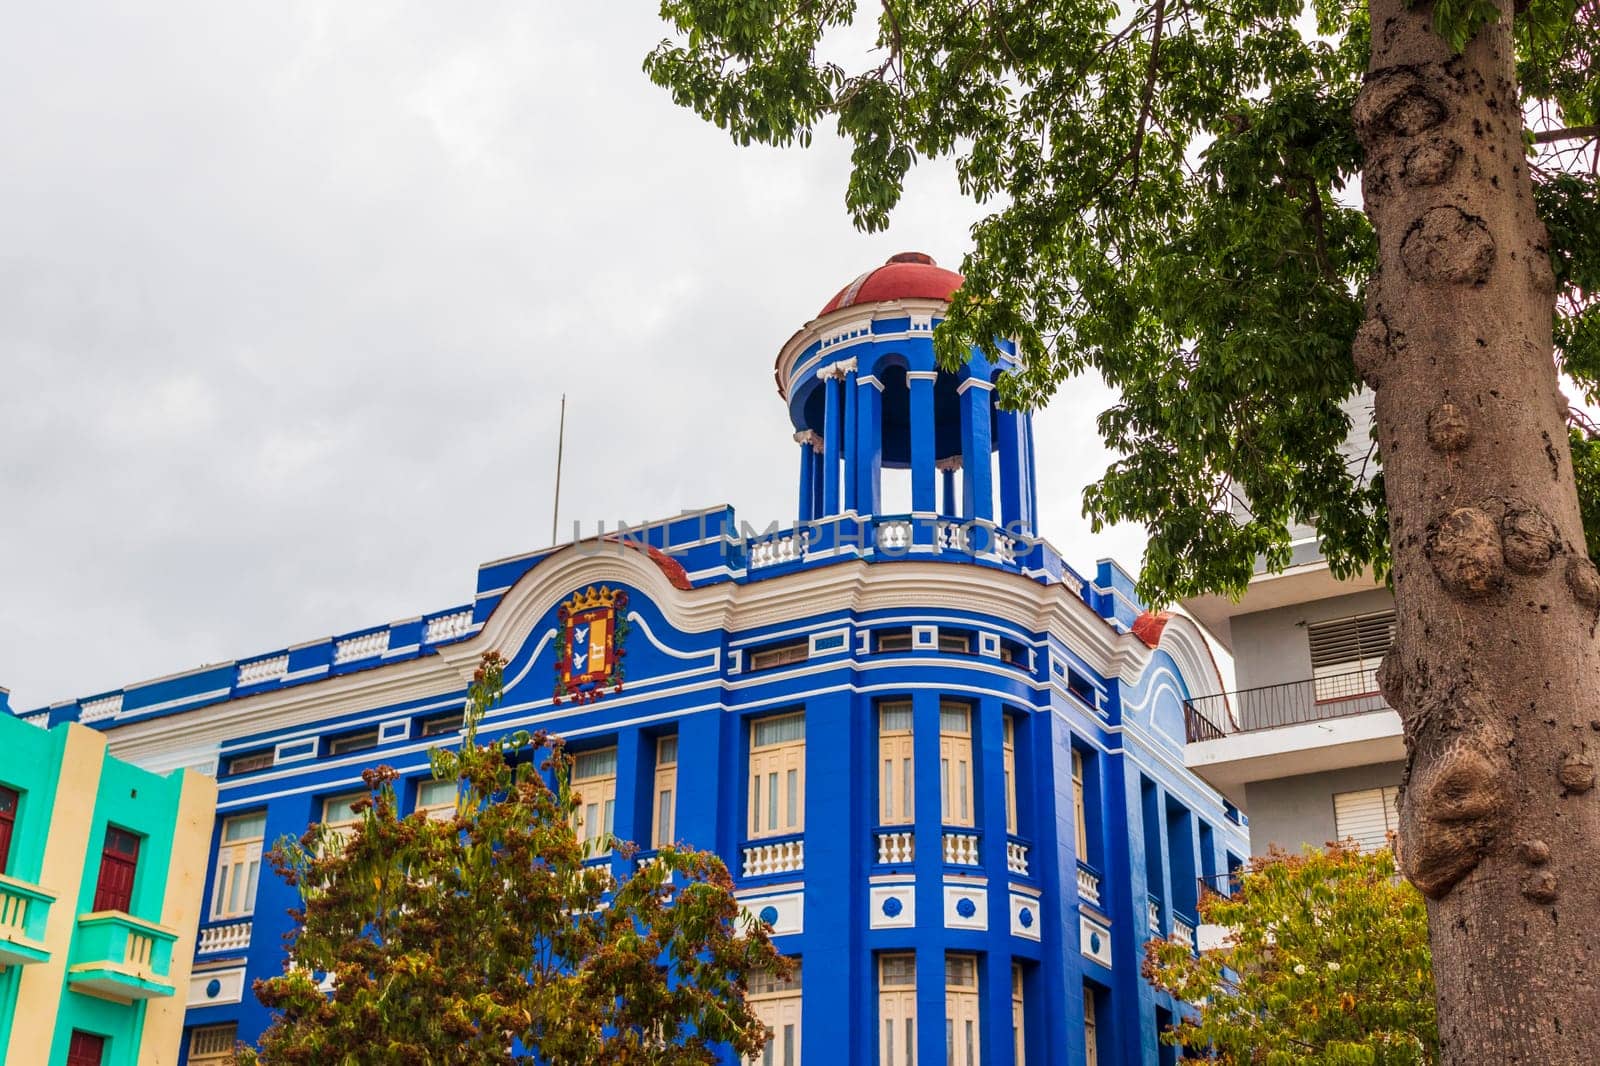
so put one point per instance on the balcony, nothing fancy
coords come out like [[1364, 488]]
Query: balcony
[[224, 936], [960, 848], [1295, 703], [122, 958], [895, 847], [767, 859], [23, 911], [1088, 884]]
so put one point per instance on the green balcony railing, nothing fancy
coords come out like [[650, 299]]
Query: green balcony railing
[[24, 909], [120, 957]]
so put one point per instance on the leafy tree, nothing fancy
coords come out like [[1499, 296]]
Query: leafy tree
[[1173, 193], [448, 939], [1327, 965]]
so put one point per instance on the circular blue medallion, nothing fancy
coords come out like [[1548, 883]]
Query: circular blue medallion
[[769, 914], [892, 906], [213, 988], [1094, 943], [1025, 916], [966, 908]]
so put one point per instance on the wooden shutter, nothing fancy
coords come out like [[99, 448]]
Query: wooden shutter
[[1367, 817], [119, 860], [8, 823], [85, 1049]]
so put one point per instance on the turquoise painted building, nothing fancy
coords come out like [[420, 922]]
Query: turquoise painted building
[[100, 880]]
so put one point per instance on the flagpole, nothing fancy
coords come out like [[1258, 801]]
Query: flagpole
[[561, 439]]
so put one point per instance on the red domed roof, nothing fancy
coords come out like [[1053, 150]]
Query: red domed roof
[[909, 275]]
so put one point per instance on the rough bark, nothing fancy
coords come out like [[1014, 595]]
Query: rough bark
[[1495, 670]]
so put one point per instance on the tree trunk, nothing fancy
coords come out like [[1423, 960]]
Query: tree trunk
[[1495, 670]]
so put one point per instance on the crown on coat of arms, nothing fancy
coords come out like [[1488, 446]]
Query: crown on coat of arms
[[603, 596]]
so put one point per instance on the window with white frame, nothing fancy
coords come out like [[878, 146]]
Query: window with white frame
[[1008, 769], [339, 814], [1080, 810], [594, 785], [896, 798], [238, 866], [962, 1045], [1346, 652], [664, 809], [1019, 1042], [437, 799], [213, 1045], [777, 775], [776, 1002], [897, 1010], [1367, 816], [955, 763]]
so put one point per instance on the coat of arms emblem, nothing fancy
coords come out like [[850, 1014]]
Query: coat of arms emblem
[[590, 628]]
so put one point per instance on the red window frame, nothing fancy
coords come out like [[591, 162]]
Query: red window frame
[[119, 861], [8, 823], [86, 1049]]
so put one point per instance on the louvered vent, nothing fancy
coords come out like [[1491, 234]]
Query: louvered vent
[[1345, 653]]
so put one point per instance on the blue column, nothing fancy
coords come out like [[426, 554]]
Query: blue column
[[807, 472], [816, 483], [921, 382], [1030, 475], [929, 867], [1011, 463], [988, 745], [869, 443], [830, 447], [834, 875], [630, 819], [851, 439], [976, 480]]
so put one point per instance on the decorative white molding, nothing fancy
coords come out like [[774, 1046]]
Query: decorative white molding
[[922, 375], [1094, 941], [974, 383], [784, 549], [259, 670], [921, 324], [892, 906], [951, 463], [960, 849], [784, 912], [806, 436], [447, 627], [966, 906], [235, 936], [868, 379], [760, 860], [100, 709], [365, 646], [896, 847], [228, 987], [42, 721]]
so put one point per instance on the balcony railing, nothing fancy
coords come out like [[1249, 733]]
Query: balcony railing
[[1017, 856], [777, 857], [1152, 913], [896, 846], [1088, 884], [1183, 928], [1293, 703], [24, 909], [224, 936], [960, 849], [119, 957]]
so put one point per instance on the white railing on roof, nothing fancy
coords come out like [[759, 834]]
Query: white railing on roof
[[254, 673], [784, 549], [447, 626], [363, 647], [894, 534], [96, 710]]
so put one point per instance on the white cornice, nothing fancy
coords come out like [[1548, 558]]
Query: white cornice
[[856, 587], [814, 330]]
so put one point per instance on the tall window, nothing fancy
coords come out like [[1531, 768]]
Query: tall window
[[119, 861], [212, 1045], [436, 799], [1345, 653], [85, 1049], [1019, 1042], [955, 762], [1080, 811], [339, 814], [1091, 1036], [1367, 816], [897, 1010], [8, 824], [664, 808], [961, 1010], [777, 1003], [777, 775], [896, 804], [594, 781], [1008, 767], [238, 865]]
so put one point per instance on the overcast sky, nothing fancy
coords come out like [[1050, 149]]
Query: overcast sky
[[289, 293]]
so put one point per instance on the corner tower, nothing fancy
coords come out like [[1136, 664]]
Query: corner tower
[[882, 430]]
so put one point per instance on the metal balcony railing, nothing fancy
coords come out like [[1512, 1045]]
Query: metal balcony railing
[[1293, 703]]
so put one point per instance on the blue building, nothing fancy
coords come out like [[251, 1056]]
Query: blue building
[[943, 765]]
